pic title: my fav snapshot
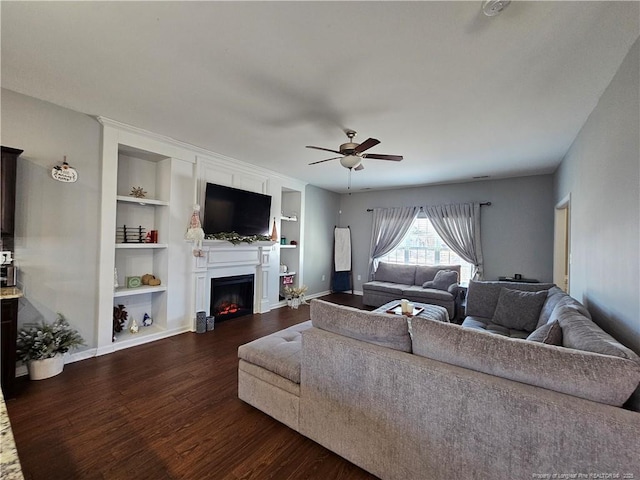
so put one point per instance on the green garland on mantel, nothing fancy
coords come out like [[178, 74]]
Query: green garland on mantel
[[236, 238]]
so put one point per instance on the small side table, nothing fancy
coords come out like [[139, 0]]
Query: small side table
[[461, 304]]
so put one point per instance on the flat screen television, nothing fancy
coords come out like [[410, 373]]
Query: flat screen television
[[228, 209]]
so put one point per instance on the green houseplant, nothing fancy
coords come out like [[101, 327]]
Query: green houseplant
[[42, 346]]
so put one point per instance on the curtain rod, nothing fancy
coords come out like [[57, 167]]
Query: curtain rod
[[483, 204]]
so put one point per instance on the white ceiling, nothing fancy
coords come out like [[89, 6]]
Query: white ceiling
[[457, 93]]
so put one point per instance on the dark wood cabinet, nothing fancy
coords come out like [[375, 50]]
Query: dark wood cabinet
[[8, 335], [8, 170]]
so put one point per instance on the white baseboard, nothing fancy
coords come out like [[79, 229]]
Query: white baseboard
[[21, 369]]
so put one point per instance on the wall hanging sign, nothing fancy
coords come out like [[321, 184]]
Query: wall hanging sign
[[65, 172]]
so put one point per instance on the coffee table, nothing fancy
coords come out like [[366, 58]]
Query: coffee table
[[433, 312]]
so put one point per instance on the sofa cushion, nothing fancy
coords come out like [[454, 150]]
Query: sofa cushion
[[519, 310], [425, 273], [386, 330], [571, 303], [600, 378], [395, 273], [581, 333], [423, 295], [482, 297], [444, 279], [279, 352], [485, 324], [386, 287], [550, 333], [553, 297]]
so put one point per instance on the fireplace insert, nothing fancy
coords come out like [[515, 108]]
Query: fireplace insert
[[231, 297]]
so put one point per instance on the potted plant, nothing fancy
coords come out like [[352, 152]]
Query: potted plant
[[295, 295], [42, 347]]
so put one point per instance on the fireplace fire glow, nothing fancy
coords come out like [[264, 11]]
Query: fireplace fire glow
[[227, 308]]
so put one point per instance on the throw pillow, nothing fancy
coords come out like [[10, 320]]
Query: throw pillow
[[444, 278], [550, 333], [519, 310], [428, 284]]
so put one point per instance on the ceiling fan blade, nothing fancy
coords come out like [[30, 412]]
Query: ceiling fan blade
[[366, 145], [379, 156], [325, 149], [359, 167], [320, 161]]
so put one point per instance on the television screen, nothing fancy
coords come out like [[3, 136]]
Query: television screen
[[228, 209]]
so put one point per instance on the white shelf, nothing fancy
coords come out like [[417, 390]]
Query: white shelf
[[141, 245], [141, 201], [292, 218], [287, 274], [288, 246], [126, 336], [127, 292]]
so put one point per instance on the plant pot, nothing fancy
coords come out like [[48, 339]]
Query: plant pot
[[46, 368], [294, 302]]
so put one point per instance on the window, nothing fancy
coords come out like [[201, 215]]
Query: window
[[423, 246]]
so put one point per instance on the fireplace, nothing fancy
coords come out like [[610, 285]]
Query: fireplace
[[231, 297]]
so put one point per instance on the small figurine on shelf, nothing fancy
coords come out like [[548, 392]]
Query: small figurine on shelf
[[195, 233], [138, 192], [134, 326], [147, 320]]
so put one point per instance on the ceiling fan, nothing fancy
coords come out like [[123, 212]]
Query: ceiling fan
[[351, 154]]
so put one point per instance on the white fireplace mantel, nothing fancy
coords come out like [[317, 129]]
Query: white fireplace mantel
[[224, 259]]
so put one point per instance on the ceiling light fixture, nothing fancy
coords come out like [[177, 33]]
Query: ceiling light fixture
[[491, 8], [350, 161]]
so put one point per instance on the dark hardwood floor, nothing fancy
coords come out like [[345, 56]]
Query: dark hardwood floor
[[166, 410]]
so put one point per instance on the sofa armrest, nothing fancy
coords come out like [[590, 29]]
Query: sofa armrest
[[453, 289]]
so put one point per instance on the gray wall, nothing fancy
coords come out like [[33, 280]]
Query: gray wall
[[601, 173], [321, 215], [517, 229], [57, 224]]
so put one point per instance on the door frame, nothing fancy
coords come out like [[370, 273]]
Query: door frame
[[562, 244]]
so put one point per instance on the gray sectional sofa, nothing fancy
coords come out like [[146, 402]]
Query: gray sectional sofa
[[422, 399], [413, 282]]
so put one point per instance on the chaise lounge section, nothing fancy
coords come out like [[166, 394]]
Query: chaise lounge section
[[428, 399]]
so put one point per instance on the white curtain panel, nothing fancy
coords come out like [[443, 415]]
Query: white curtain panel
[[390, 225], [459, 228]]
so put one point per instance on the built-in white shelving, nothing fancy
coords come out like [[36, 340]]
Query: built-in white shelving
[[126, 292], [290, 230], [132, 161], [141, 246], [141, 201]]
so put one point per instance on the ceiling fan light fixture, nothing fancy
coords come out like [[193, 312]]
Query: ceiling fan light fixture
[[491, 8], [350, 161]]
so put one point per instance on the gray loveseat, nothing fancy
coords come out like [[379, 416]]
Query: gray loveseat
[[396, 281], [432, 400]]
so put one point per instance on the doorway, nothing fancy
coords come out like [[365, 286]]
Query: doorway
[[562, 244]]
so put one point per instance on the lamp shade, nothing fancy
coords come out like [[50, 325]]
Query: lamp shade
[[350, 161]]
